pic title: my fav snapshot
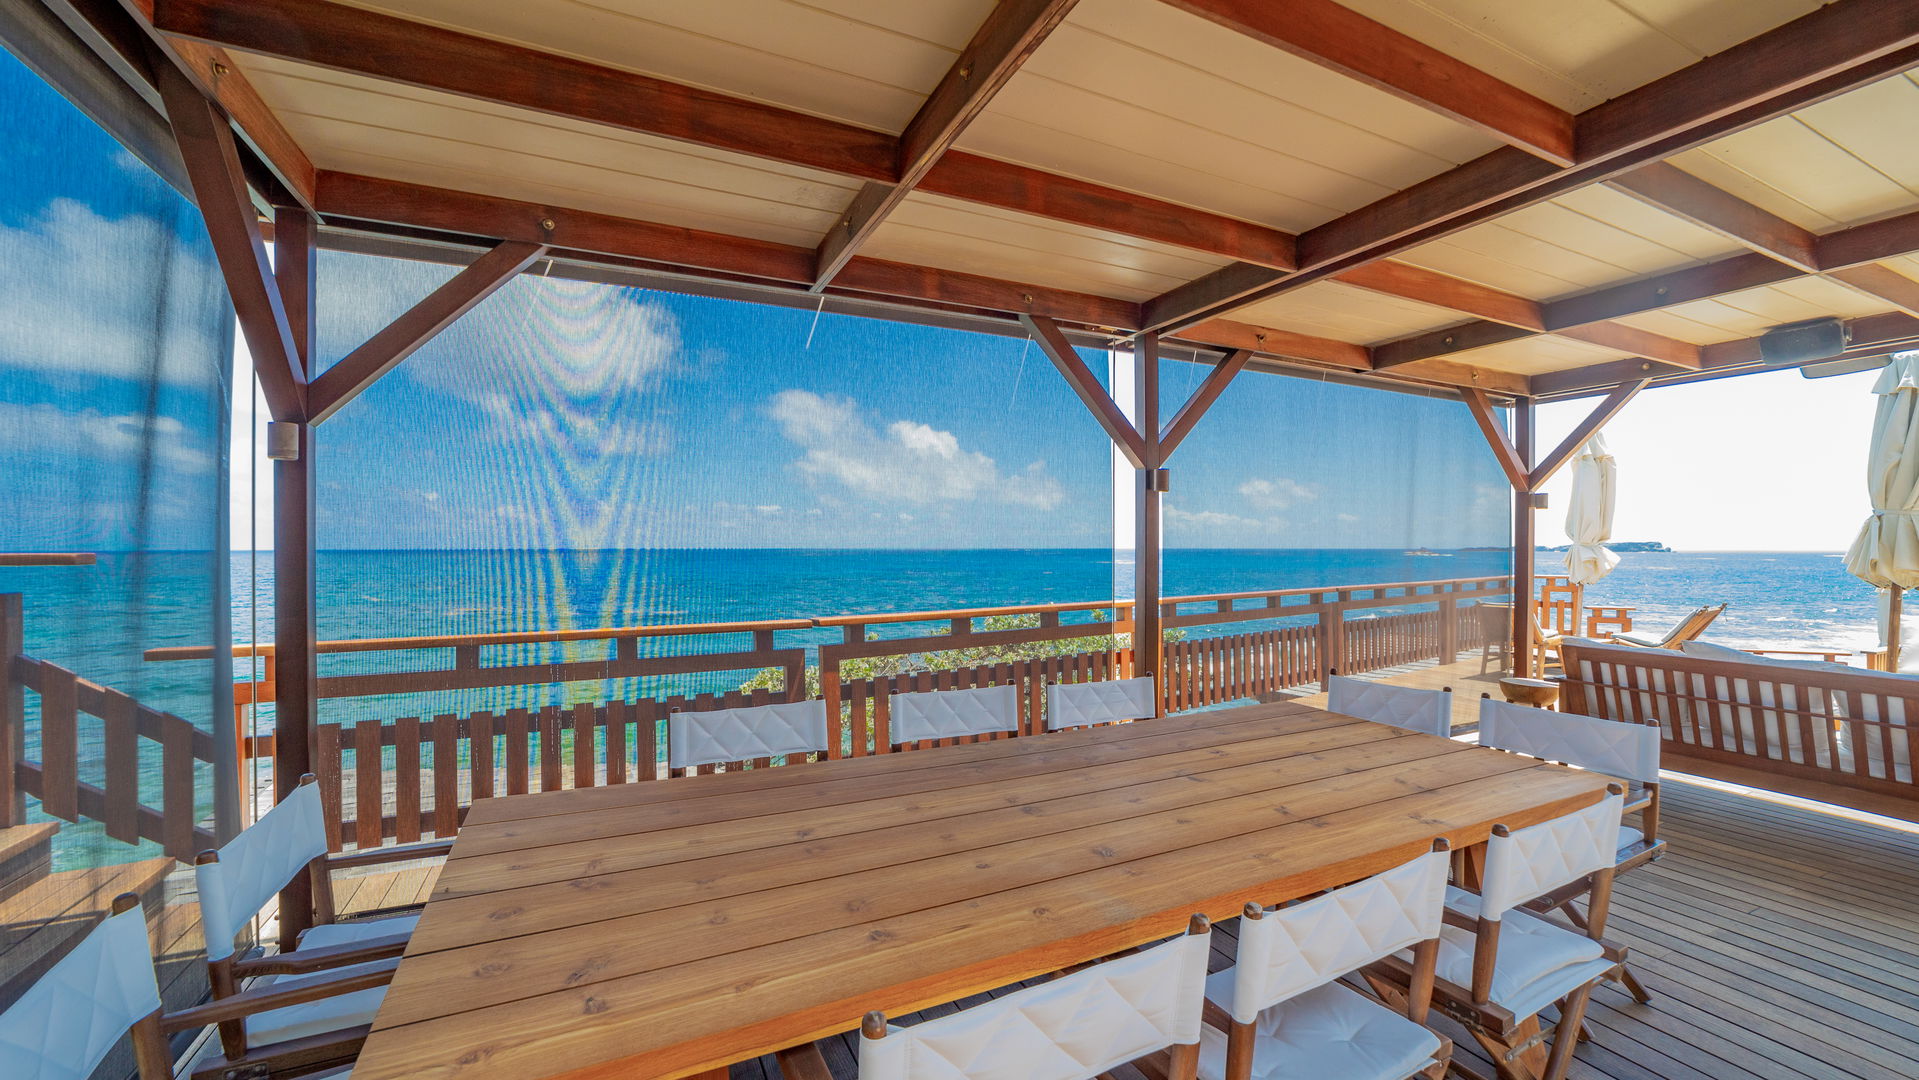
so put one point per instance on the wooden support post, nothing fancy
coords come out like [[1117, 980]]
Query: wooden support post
[[1147, 644], [1523, 543], [295, 689], [13, 710]]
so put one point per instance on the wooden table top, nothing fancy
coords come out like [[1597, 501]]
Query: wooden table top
[[667, 928]]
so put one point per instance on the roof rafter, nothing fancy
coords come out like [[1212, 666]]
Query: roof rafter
[[1519, 316], [379, 46], [1337, 37], [1684, 195], [1009, 35], [1841, 253], [332, 389], [1839, 47], [220, 188]]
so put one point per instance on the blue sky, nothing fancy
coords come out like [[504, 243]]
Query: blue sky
[[575, 415], [114, 333]]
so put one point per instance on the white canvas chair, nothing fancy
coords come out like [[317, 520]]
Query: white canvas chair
[[1500, 965], [952, 714], [1629, 752], [1073, 1028], [718, 736], [73, 1016], [239, 879], [1429, 712], [1071, 705], [1290, 1016]]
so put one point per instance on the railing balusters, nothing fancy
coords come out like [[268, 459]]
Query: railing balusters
[[406, 780]]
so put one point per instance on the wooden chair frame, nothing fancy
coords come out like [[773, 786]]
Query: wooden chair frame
[[225, 975], [1504, 1037], [1414, 1000], [1689, 629], [154, 1056], [1180, 1062]]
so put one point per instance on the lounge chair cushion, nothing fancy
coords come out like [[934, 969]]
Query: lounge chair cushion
[[1330, 1033]]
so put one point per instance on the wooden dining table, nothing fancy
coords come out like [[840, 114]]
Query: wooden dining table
[[669, 928]]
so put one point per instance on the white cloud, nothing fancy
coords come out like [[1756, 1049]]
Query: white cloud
[[90, 435], [1276, 494], [1349, 519], [908, 461], [89, 275], [1213, 519]]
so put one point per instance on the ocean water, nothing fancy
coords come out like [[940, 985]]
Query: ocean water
[[1775, 599], [82, 616]]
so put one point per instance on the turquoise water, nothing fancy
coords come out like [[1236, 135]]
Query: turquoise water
[[77, 616]]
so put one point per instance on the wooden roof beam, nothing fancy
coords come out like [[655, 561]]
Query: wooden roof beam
[[1339, 38], [1586, 429], [1503, 449], [333, 388], [1881, 283], [1680, 193], [1519, 316], [581, 234], [1087, 385], [1201, 400], [220, 188], [384, 47], [1837, 48], [1003, 42], [1868, 335]]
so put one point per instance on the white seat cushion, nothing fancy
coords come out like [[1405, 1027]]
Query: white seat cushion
[[328, 935], [1330, 1033], [315, 1017], [1537, 963]]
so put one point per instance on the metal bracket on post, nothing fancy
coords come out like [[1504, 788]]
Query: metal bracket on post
[[283, 440], [1159, 480], [1538, 499]]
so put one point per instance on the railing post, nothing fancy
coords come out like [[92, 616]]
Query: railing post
[[13, 710], [1448, 628]]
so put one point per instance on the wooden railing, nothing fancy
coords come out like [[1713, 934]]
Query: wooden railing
[[133, 740], [397, 779], [1847, 727]]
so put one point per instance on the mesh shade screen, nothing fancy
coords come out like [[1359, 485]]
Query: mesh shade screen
[[115, 348], [574, 456]]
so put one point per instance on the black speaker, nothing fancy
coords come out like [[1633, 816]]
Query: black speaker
[[1796, 343]]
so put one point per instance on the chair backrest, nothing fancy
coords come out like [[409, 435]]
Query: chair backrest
[[1071, 1028], [1291, 950], [66, 1023], [1071, 705], [1627, 751], [1692, 626], [238, 880], [949, 714], [756, 731], [1533, 861], [1429, 712]]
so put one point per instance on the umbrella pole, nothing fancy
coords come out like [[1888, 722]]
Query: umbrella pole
[[1577, 619], [1893, 604]]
